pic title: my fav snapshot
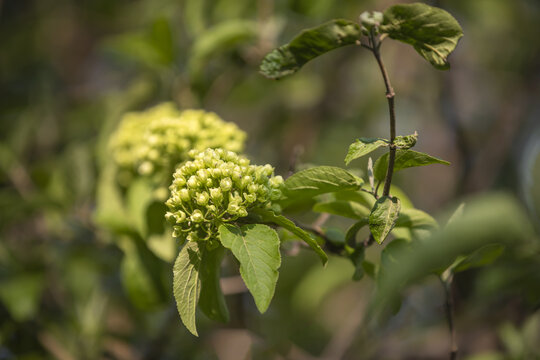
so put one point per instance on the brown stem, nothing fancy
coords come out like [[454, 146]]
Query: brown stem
[[449, 310], [390, 95]]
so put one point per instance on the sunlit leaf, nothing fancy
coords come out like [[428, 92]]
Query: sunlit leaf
[[363, 146], [309, 44], [187, 284], [319, 180], [433, 32], [256, 247], [404, 159], [383, 217]]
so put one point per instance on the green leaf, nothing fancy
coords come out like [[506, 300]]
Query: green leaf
[[309, 44], [406, 142], [353, 230], [433, 32], [256, 247], [363, 146], [222, 37], [140, 195], [481, 257], [110, 212], [21, 295], [315, 181], [404, 159], [212, 302], [383, 217], [137, 280], [187, 284], [290, 226], [416, 219], [349, 209], [494, 219]]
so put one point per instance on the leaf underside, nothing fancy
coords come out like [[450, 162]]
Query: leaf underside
[[309, 44]]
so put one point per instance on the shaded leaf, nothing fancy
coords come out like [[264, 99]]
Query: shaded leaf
[[315, 181], [287, 224], [383, 217], [363, 146], [433, 32], [221, 37], [404, 159], [349, 209], [187, 284], [256, 247], [212, 302], [353, 230], [494, 219], [481, 257], [416, 219], [309, 44]]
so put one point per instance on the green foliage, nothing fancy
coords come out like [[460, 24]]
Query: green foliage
[[349, 209], [187, 283], [309, 44], [404, 159], [383, 217], [287, 224], [315, 181], [212, 302], [219, 38], [492, 220], [256, 247], [433, 32], [363, 146]]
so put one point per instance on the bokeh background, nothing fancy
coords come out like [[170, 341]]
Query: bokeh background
[[70, 68]]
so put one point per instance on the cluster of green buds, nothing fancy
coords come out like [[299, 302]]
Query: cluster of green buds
[[217, 187], [153, 142]]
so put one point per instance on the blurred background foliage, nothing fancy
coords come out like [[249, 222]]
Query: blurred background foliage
[[69, 69]]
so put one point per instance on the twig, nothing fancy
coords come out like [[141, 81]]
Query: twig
[[449, 310], [390, 95]]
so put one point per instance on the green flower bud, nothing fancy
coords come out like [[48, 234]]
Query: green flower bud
[[193, 182], [185, 195], [197, 216], [225, 184], [202, 198], [216, 195], [246, 180]]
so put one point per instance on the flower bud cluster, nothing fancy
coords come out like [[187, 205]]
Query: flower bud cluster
[[216, 187], [151, 143]]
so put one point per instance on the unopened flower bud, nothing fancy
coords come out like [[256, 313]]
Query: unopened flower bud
[[225, 184], [202, 198], [193, 182], [197, 216]]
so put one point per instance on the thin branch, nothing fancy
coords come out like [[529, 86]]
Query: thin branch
[[390, 95], [449, 310]]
